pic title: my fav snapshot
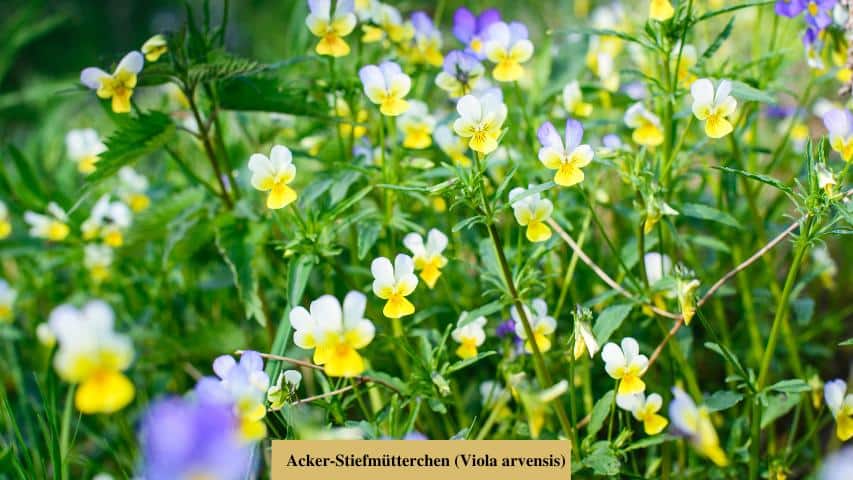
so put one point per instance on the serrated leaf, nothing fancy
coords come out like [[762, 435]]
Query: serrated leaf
[[237, 249], [135, 137], [222, 66], [609, 321], [704, 212], [152, 223], [599, 413], [761, 178], [722, 400], [269, 94]]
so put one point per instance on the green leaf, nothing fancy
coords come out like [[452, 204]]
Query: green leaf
[[794, 385], [222, 66], [298, 273], [650, 441], [761, 178], [599, 413], [609, 321], [603, 32], [710, 242], [135, 137], [151, 224], [368, 233], [269, 94], [744, 92], [602, 460], [238, 249], [483, 311], [704, 212], [718, 42], [732, 8], [469, 361], [722, 400], [777, 406], [846, 343]]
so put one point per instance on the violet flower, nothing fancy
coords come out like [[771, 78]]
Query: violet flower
[[471, 29]]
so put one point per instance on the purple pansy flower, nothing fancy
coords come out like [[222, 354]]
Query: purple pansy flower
[[185, 438], [567, 156], [460, 73], [819, 13], [790, 8], [471, 29]]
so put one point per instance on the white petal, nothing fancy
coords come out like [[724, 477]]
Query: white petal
[[320, 8], [833, 392], [326, 311], [612, 355], [540, 307], [654, 402], [280, 157], [355, 304], [403, 266], [469, 108], [702, 91], [91, 77], [630, 348], [383, 271], [629, 402], [371, 77], [436, 241], [723, 91], [132, 62], [415, 243], [99, 316], [300, 319], [223, 364]]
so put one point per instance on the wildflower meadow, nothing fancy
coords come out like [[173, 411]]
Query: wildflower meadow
[[620, 223]]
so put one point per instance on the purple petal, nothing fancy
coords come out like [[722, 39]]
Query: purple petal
[[790, 8], [517, 31], [574, 134], [486, 18], [422, 23], [252, 361], [223, 364], [548, 135], [464, 25]]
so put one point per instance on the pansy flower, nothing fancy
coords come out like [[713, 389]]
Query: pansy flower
[[790, 8], [469, 336], [84, 147], [714, 107], [839, 123], [285, 388], [108, 220], [626, 365], [584, 340], [426, 47], [645, 409], [825, 178], [387, 86], [154, 48], [542, 325], [388, 23], [97, 259], [646, 125], [840, 403], [452, 145], [600, 59], [394, 283], [273, 174], [53, 227], [5, 221], [819, 13], [660, 10], [480, 120], [416, 125], [566, 158], [331, 28], [357, 129], [471, 30], [117, 86], [428, 256], [573, 100], [460, 74], [695, 424], [132, 189], [7, 301], [92, 355], [507, 47], [531, 211], [243, 385]]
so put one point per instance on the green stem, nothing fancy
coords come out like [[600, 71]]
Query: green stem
[[570, 270], [65, 432], [208, 149]]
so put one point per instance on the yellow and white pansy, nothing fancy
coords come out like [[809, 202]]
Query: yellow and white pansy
[[714, 107], [626, 365], [646, 125], [243, 385], [531, 211], [394, 283], [93, 356], [695, 424], [660, 10], [108, 220], [567, 158], [452, 145], [5, 221], [7, 301], [839, 123], [132, 189], [481, 120], [469, 335], [687, 60], [461, 74], [427, 257], [840, 403], [83, 148], [117, 86], [97, 259], [388, 23], [426, 44], [416, 125], [645, 409], [53, 227], [331, 28], [387, 86], [336, 334], [507, 47], [600, 58], [155, 47], [273, 174], [542, 325], [351, 125], [573, 100]]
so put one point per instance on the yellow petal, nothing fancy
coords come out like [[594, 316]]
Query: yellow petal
[[57, 231], [104, 392], [113, 238], [138, 202], [333, 46], [121, 101], [715, 454], [430, 274], [538, 232], [397, 307], [844, 427], [394, 106], [507, 71], [630, 384], [344, 362], [649, 135], [5, 229], [280, 196], [568, 175], [252, 430], [717, 127], [660, 10], [467, 350], [654, 424]]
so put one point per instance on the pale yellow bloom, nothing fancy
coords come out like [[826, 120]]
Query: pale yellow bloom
[[331, 28], [481, 120], [714, 107], [427, 257], [645, 409], [469, 336], [273, 174], [542, 325], [626, 365], [394, 284], [117, 86], [417, 126], [532, 211], [646, 125], [53, 227], [84, 147], [155, 47]]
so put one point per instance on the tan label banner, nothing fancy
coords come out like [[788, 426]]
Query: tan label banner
[[421, 459]]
